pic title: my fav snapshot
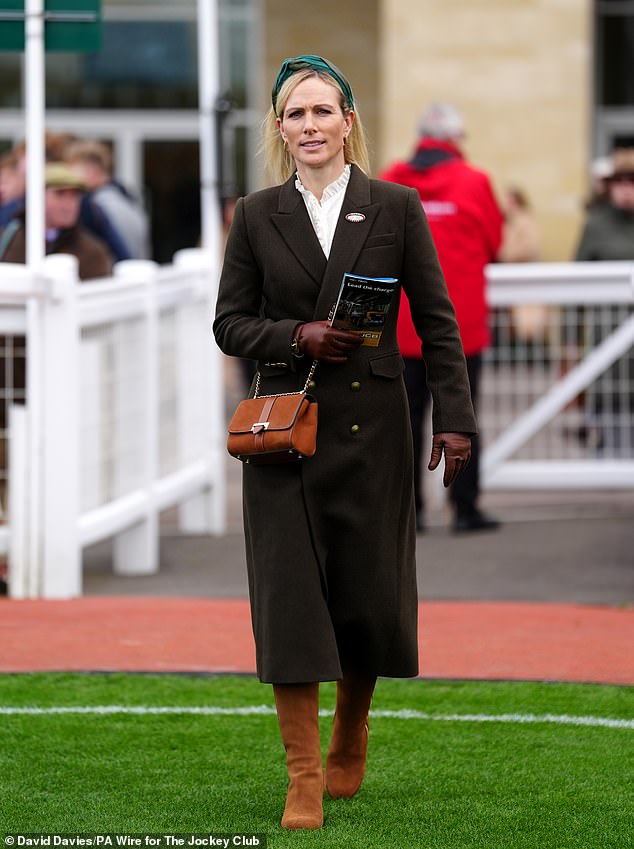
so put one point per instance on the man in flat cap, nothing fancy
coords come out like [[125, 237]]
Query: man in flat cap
[[64, 233]]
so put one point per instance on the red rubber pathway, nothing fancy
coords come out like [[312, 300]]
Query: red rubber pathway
[[477, 640]]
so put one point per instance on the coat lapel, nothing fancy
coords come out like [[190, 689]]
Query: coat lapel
[[349, 238], [294, 225]]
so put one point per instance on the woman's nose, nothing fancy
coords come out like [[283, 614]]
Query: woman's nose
[[309, 123]]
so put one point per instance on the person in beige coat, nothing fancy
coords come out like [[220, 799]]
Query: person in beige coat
[[521, 242], [330, 540]]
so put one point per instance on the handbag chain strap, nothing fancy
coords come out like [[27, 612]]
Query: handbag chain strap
[[256, 394]]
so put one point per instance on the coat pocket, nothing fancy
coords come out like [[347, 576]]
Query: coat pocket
[[387, 365], [379, 240]]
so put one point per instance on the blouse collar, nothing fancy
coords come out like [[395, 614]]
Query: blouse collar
[[332, 189]]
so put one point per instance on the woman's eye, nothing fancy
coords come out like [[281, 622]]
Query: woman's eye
[[295, 114]]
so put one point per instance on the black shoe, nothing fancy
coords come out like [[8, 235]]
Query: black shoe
[[474, 521]]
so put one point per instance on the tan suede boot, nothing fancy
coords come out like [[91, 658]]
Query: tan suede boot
[[298, 716], [346, 758]]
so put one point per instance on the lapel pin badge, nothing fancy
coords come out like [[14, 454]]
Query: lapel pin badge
[[355, 217]]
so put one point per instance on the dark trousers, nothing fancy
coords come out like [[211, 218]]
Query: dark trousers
[[466, 488]]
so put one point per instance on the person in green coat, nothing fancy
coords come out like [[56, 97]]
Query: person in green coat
[[330, 540]]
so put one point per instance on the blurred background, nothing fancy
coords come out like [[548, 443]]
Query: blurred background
[[546, 86]]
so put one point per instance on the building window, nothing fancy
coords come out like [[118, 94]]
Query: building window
[[140, 94], [615, 47], [141, 65], [614, 75]]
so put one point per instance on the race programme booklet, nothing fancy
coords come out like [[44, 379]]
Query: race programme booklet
[[363, 304]]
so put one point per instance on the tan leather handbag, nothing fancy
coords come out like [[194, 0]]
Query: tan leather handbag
[[274, 428]]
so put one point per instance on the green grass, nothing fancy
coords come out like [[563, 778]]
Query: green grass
[[430, 784]]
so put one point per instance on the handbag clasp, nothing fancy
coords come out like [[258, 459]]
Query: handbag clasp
[[258, 427]]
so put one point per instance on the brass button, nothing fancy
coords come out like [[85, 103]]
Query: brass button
[[355, 429], [311, 384], [355, 386]]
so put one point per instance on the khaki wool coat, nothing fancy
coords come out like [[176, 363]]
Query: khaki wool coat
[[330, 540]]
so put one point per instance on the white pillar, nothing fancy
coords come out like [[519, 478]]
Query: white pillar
[[193, 514], [34, 92], [206, 511], [20, 572], [61, 553], [91, 370], [208, 85], [34, 103], [136, 550]]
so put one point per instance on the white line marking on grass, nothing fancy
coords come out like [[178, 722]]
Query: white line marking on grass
[[267, 710], [513, 718]]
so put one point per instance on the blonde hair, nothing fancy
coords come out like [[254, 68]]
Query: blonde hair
[[91, 152], [278, 160]]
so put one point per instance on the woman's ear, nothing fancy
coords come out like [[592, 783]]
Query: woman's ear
[[278, 121]]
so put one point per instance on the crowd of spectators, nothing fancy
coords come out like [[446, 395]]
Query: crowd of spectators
[[87, 214], [87, 211]]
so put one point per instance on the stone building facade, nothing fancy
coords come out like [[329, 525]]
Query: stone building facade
[[520, 70]]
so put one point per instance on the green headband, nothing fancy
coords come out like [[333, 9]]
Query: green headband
[[315, 63]]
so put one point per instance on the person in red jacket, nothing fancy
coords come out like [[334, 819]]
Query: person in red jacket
[[466, 225]]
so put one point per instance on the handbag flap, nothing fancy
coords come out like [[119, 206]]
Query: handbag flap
[[272, 412]]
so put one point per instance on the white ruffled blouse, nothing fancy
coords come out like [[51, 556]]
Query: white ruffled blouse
[[324, 215]]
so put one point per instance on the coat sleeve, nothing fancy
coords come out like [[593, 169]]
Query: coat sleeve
[[435, 322], [239, 327]]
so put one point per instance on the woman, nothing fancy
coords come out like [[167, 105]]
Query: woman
[[330, 540]]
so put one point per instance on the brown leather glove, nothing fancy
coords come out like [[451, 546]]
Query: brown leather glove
[[457, 448], [319, 341]]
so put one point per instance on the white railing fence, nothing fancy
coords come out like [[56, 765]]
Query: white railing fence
[[124, 415], [557, 400]]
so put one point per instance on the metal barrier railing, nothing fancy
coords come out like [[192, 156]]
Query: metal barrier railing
[[557, 400]]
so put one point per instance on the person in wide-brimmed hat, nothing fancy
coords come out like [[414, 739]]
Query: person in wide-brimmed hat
[[608, 232], [608, 235]]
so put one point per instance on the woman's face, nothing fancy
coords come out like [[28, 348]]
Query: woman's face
[[314, 126]]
